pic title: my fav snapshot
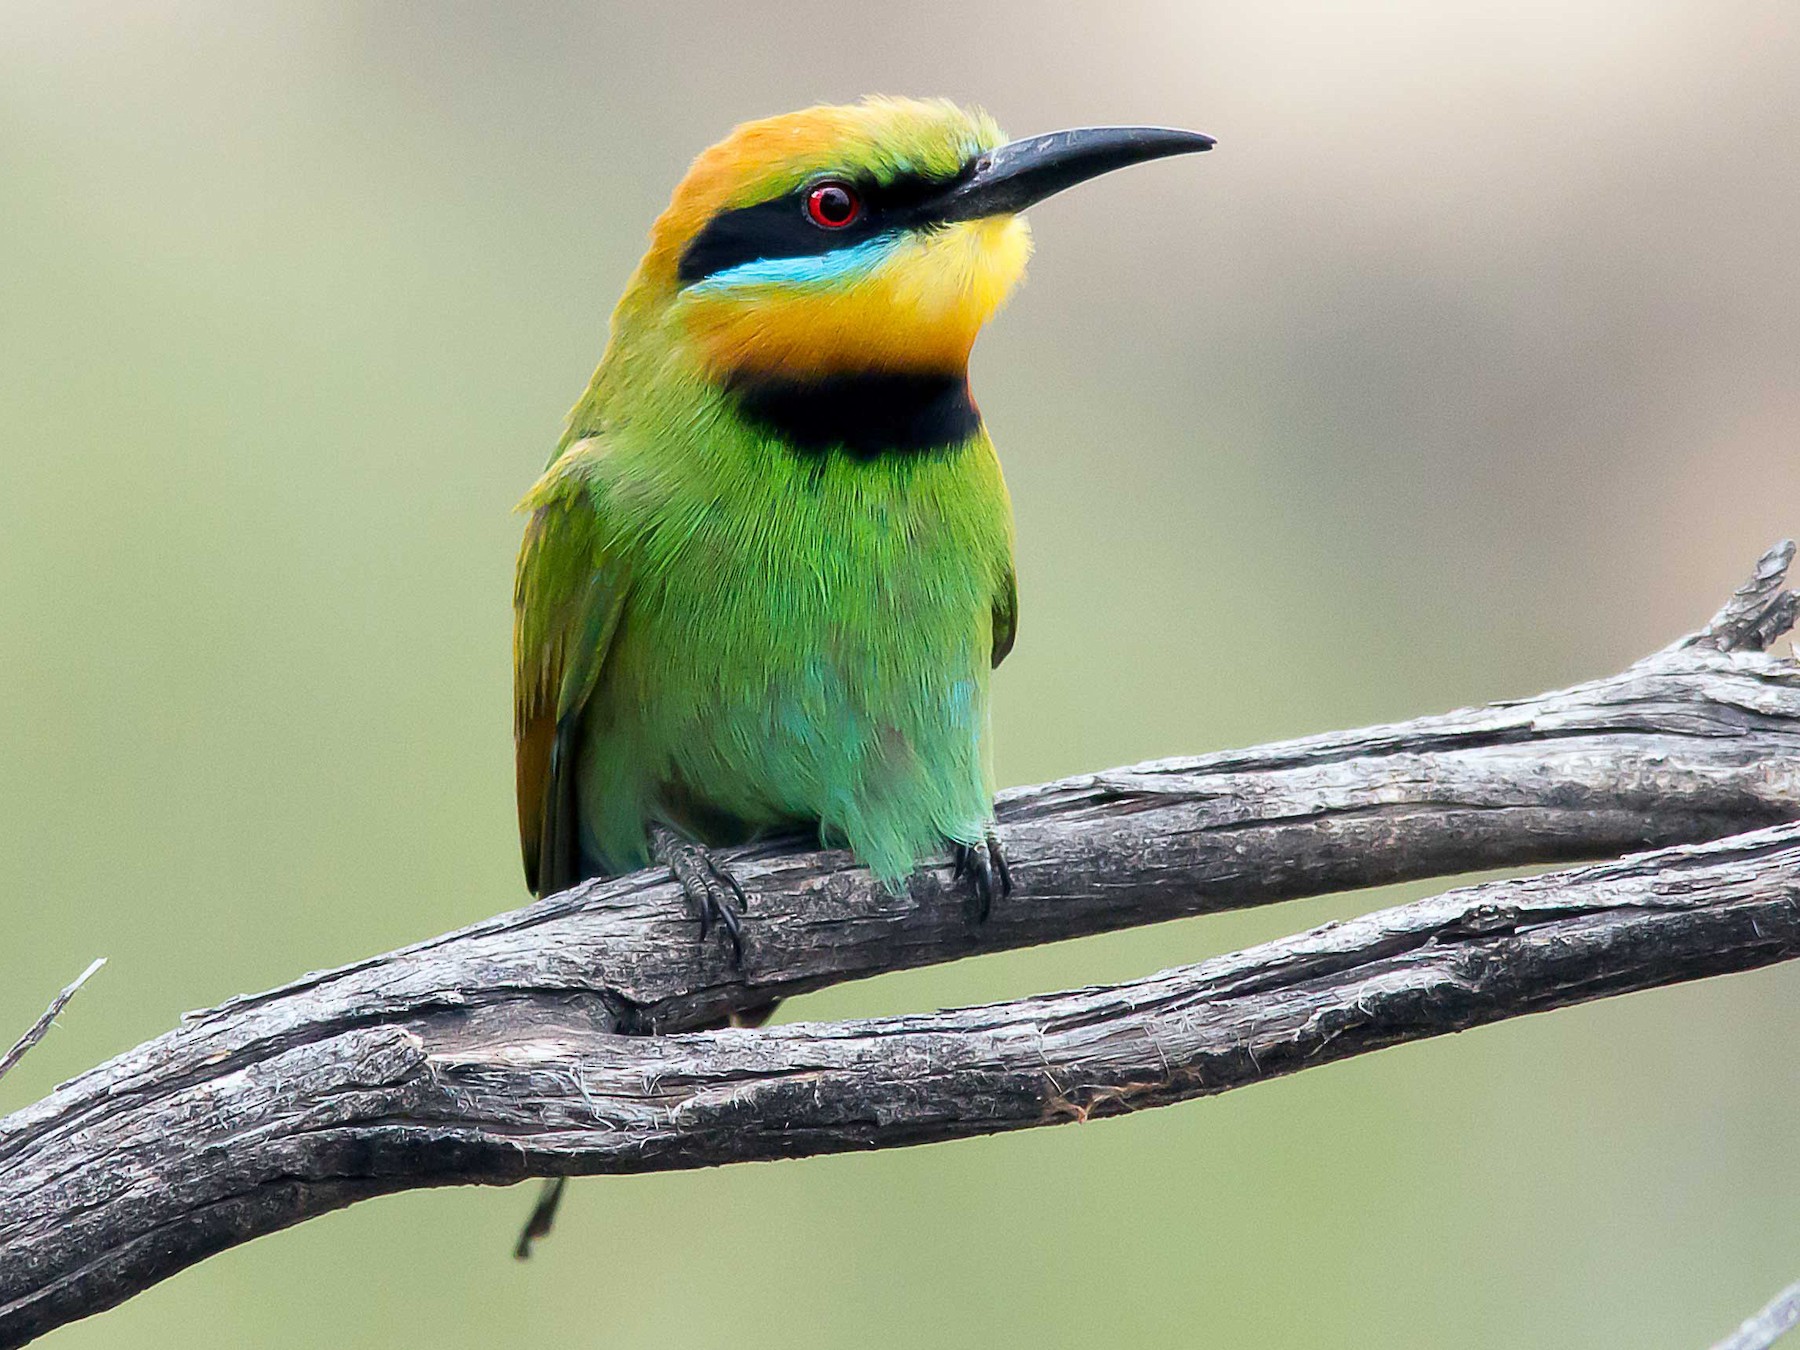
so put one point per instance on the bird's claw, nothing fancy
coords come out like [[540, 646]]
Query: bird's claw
[[709, 886], [985, 866]]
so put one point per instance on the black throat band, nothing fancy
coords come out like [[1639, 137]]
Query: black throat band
[[866, 415]]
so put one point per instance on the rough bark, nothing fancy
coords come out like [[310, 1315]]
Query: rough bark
[[510, 1049]]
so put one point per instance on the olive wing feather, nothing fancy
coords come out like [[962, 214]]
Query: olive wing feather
[[567, 599]]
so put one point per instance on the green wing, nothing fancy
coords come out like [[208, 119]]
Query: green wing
[[566, 605], [1006, 616]]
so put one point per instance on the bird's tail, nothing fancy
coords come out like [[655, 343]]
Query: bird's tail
[[744, 1017], [543, 1216]]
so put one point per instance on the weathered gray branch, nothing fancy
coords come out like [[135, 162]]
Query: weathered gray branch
[[494, 1054]]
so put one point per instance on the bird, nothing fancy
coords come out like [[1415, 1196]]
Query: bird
[[769, 568]]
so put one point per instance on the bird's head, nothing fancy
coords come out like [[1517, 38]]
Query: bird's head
[[873, 237]]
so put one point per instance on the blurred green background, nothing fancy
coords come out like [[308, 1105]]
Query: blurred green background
[[1469, 365]]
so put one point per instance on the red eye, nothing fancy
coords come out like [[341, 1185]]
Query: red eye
[[831, 206]]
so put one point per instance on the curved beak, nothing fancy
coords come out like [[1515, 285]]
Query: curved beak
[[1021, 173]]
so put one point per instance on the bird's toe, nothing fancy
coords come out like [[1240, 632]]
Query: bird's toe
[[716, 895], [985, 865]]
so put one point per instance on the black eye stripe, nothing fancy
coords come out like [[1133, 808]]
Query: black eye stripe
[[779, 227]]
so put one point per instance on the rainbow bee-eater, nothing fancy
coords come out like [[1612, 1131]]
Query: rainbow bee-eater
[[771, 564]]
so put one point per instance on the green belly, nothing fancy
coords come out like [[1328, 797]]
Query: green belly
[[815, 671]]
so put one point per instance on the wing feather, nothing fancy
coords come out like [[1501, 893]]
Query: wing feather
[[1006, 616], [567, 599]]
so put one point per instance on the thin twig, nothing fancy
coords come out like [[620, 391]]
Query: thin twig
[[1759, 611], [1781, 1316], [40, 1028]]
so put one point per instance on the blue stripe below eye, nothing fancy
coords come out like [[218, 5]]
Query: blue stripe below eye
[[811, 269]]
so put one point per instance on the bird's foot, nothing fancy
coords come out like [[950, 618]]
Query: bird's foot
[[709, 886], [985, 866]]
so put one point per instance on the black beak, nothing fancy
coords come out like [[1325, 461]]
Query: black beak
[[1024, 172]]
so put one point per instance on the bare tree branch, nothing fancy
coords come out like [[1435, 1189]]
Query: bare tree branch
[[1781, 1316], [496, 1053], [105, 1194], [41, 1028]]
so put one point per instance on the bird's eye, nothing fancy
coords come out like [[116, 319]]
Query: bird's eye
[[831, 206]]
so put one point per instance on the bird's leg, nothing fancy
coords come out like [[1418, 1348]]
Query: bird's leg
[[708, 884], [985, 866]]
